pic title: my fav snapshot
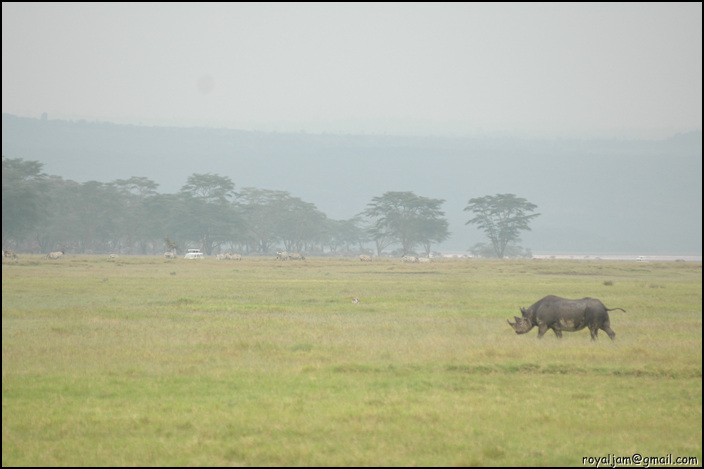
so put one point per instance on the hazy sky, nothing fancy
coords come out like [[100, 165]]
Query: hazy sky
[[530, 69]]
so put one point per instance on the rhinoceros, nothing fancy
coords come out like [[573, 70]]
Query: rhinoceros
[[562, 314]]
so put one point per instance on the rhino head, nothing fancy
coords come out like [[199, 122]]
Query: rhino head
[[521, 326]]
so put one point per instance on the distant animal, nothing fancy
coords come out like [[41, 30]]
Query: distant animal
[[296, 257], [8, 254], [365, 258], [423, 260], [229, 257], [562, 314], [169, 255], [355, 300], [55, 255], [113, 256], [409, 259], [281, 255]]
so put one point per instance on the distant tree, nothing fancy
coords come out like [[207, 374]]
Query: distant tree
[[379, 232], [299, 223], [60, 226], [276, 216], [407, 219], [100, 216], [502, 217], [139, 186], [434, 230], [209, 188], [88, 217], [134, 193], [260, 210], [166, 215], [24, 201], [347, 233], [211, 217], [170, 246]]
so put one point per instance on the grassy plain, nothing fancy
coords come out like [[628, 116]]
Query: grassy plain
[[153, 362]]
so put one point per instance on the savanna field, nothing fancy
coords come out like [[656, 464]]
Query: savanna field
[[144, 361]]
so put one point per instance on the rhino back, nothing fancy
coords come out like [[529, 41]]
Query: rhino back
[[565, 310], [532, 311]]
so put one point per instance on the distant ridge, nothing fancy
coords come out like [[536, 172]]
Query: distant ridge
[[599, 195]]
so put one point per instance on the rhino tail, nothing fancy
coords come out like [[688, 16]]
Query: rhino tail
[[614, 309]]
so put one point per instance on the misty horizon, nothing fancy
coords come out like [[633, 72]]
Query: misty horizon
[[591, 111], [594, 196], [524, 70]]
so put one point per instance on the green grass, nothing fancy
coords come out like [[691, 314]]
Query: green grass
[[146, 361]]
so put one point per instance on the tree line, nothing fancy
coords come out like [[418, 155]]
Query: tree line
[[42, 213]]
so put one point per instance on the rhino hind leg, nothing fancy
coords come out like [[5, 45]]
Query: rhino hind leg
[[607, 328], [594, 331]]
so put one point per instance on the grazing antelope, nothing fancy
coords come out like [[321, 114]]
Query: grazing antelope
[[8, 254], [55, 255], [282, 256]]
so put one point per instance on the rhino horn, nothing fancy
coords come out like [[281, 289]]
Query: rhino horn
[[516, 325]]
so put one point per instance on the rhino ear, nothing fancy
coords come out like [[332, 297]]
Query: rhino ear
[[523, 311]]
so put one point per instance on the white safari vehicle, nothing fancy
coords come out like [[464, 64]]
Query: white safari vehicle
[[194, 254]]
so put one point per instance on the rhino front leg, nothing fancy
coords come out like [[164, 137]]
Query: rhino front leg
[[542, 329]]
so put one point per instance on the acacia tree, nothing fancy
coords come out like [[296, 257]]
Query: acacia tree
[[275, 216], [211, 215], [260, 211], [210, 188], [24, 202], [60, 226], [406, 218], [165, 215], [133, 193], [346, 233], [502, 217], [100, 216], [433, 230], [299, 223]]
